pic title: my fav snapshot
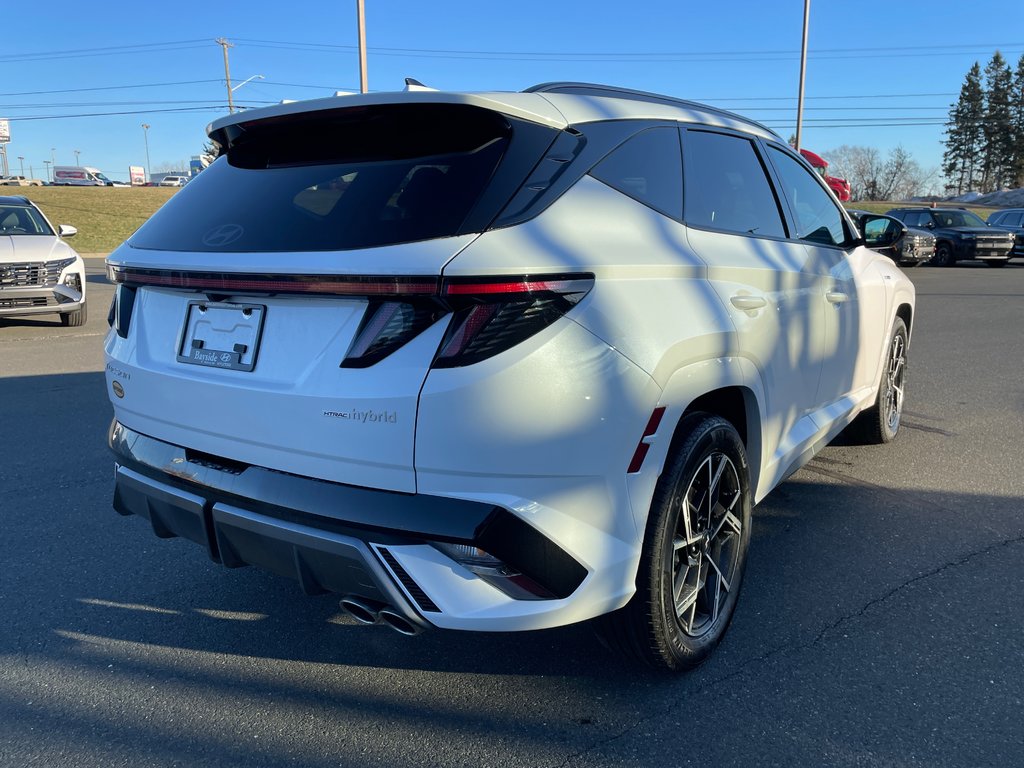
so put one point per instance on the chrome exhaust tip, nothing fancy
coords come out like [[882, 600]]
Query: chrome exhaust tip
[[399, 623], [362, 612]]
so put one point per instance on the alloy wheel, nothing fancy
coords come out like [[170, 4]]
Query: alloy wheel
[[894, 381], [706, 545]]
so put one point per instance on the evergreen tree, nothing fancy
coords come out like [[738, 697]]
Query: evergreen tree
[[960, 161], [997, 126], [1017, 121]]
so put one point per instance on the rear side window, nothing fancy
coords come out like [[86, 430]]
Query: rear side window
[[648, 168], [726, 186], [818, 218], [355, 177]]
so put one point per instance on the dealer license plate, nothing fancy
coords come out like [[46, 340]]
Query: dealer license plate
[[222, 335]]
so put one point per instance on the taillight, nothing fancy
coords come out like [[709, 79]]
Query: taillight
[[492, 315], [387, 326]]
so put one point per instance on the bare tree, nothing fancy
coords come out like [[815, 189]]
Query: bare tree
[[871, 177]]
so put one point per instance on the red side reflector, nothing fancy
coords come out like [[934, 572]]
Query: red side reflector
[[642, 447], [638, 458]]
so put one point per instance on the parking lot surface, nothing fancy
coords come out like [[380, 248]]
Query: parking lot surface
[[881, 621]]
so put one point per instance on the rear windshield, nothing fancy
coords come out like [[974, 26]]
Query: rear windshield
[[336, 180]]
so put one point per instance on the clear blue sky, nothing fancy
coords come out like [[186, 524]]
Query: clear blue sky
[[879, 73]]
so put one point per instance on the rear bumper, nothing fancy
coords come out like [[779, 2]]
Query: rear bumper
[[321, 561], [327, 536]]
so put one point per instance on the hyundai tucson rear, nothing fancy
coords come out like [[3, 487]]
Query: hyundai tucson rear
[[457, 359]]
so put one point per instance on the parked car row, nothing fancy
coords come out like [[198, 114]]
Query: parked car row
[[944, 236]]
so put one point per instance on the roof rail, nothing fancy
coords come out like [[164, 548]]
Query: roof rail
[[614, 92]]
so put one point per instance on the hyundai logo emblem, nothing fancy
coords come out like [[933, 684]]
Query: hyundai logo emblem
[[223, 235]]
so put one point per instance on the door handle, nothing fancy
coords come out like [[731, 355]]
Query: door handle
[[836, 297], [748, 302]]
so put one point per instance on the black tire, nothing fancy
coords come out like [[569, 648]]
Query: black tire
[[943, 256], [997, 262], [76, 318], [881, 422], [686, 593]]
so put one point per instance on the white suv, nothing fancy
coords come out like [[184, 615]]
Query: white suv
[[496, 361], [39, 272]]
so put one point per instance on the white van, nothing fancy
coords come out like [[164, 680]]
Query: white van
[[79, 176]]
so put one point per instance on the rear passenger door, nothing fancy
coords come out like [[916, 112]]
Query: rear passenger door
[[769, 283]]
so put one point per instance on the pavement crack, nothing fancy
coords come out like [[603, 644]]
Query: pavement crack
[[962, 560]]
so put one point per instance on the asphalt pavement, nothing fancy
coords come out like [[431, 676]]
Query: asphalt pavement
[[881, 621]]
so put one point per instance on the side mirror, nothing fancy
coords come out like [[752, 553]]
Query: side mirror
[[881, 231], [66, 230]]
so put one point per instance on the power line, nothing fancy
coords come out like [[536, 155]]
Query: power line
[[78, 104], [105, 51], [218, 108], [641, 57], [857, 50], [108, 88]]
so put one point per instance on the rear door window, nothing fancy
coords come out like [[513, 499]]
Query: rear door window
[[726, 186]]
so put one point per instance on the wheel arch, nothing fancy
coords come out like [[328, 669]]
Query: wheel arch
[[727, 387], [906, 313], [738, 405]]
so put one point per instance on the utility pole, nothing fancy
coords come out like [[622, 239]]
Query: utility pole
[[803, 70], [145, 137], [361, 19], [227, 70]]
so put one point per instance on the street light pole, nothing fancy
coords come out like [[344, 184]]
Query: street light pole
[[254, 77], [77, 153], [53, 159], [47, 163], [21, 159], [803, 70], [361, 19], [145, 137]]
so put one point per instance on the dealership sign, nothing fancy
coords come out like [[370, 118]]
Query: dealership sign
[[5, 130]]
